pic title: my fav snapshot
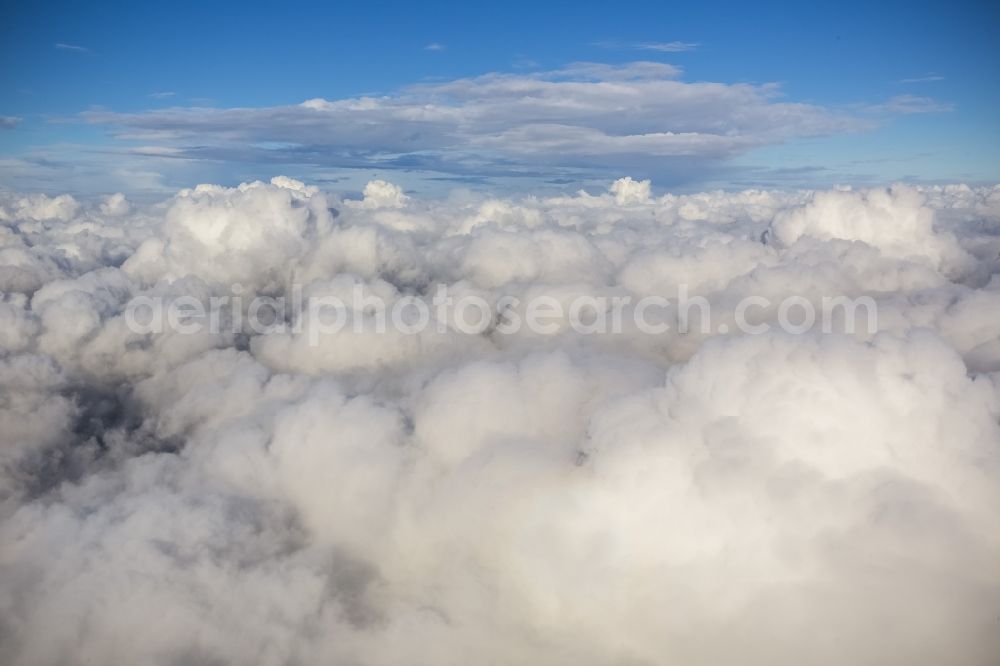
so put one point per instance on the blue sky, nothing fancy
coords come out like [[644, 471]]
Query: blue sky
[[141, 96]]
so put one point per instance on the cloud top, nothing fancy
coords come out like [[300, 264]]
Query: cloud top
[[703, 496]]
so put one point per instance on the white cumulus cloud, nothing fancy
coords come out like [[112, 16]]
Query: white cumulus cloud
[[702, 496]]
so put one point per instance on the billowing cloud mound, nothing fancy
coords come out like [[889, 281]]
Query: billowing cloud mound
[[764, 493]]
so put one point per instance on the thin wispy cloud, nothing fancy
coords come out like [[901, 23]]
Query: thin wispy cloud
[[927, 78], [71, 47], [659, 47], [9, 122], [162, 95], [434, 46], [903, 105], [666, 47]]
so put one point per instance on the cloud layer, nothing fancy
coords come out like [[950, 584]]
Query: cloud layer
[[695, 498], [585, 116]]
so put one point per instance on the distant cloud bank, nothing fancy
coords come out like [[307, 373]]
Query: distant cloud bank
[[583, 116]]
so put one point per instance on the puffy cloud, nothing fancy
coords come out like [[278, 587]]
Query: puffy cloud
[[894, 220], [440, 496], [229, 235], [380, 194], [40, 207], [628, 191], [115, 205]]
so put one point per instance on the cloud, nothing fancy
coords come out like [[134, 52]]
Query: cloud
[[71, 47], [231, 496], [434, 46], [895, 221], [9, 122], [923, 79], [660, 47], [910, 104], [666, 47], [161, 95], [582, 116]]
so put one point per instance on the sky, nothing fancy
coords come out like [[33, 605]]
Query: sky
[[149, 97]]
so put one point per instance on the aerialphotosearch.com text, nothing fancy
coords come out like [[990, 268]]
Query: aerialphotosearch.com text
[[363, 311]]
